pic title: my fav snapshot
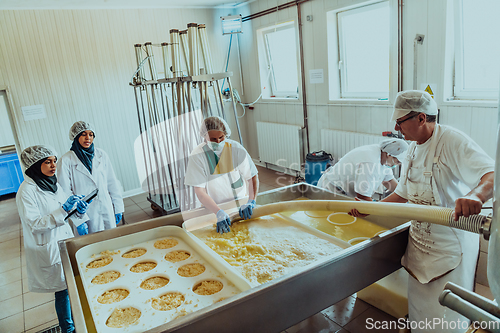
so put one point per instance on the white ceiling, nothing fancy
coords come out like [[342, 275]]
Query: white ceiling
[[115, 4]]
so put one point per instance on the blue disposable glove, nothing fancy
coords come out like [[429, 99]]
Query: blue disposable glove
[[118, 217], [82, 206], [247, 209], [70, 203], [223, 222], [83, 229]]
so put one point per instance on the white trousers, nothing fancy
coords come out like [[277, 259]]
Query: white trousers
[[423, 299]]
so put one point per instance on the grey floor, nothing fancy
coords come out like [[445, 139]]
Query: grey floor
[[23, 311]]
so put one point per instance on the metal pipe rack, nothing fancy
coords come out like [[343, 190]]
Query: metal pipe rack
[[272, 306], [170, 110]]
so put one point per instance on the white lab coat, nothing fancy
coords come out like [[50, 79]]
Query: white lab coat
[[438, 172], [74, 178], [42, 218], [359, 171], [218, 186]]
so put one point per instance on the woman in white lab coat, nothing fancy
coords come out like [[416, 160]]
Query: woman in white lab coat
[[85, 168], [221, 170], [362, 170], [43, 206]]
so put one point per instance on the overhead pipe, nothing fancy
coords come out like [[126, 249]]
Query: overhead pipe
[[273, 9]]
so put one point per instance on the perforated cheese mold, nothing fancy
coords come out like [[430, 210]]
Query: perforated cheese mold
[[172, 300]]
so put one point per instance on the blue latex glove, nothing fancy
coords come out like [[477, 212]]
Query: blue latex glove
[[82, 206], [223, 222], [247, 209], [118, 217], [70, 203], [83, 229]]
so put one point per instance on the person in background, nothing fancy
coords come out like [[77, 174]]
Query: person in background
[[362, 170], [220, 170], [43, 206], [444, 167], [85, 168]]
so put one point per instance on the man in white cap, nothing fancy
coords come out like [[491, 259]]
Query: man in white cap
[[362, 170], [444, 167]]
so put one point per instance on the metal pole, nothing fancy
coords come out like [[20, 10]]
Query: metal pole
[[194, 64], [138, 57], [234, 109], [167, 144], [141, 134], [205, 48], [166, 60], [474, 298], [474, 313], [185, 48], [419, 39], [176, 59], [151, 60], [219, 94], [303, 77]]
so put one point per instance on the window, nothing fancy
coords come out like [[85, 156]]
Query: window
[[477, 51], [359, 51], [278, 61]]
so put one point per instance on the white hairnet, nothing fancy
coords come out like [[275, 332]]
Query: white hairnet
[[33, 154], [394, 147], [414, 100], [79, 127], [214, 124]]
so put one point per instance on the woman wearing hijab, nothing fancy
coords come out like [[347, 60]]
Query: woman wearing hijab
[[85, 168], [43, 207]]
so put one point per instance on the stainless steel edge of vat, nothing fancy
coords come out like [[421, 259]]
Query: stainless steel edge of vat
[[278, 304]]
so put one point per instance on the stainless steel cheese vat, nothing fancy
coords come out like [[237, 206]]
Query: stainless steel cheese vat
[[273, 306]]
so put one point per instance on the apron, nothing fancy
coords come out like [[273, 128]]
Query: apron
[[434, 253], [433, 250], [221, 169]]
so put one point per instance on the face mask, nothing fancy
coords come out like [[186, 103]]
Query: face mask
[[216, 146]]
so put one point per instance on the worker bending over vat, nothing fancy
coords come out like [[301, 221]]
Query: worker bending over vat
[[43, 207], [85, 168], [444, 167], [221, 170], [362, 170]]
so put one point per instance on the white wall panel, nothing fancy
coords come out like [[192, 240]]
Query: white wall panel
[[349, 118], [78, 64], [484, 128], [421, 16]]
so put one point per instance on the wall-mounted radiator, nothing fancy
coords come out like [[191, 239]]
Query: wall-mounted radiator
[[280, 144], [339, 143]]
